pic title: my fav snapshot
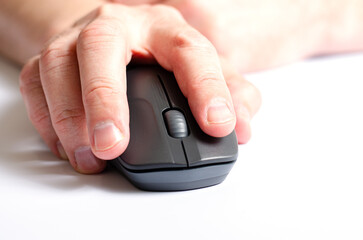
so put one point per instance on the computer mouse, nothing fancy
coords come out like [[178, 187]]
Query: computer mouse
[[167, 150]]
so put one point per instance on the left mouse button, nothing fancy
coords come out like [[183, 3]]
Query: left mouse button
[[175, 123], [150, 147]]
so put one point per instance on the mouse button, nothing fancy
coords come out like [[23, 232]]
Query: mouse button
[[150, 147], [145, 84], [176, 123], [202, 149], [175, 96]]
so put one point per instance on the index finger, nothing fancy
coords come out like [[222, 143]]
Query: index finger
[[103, 53], [180, 48]]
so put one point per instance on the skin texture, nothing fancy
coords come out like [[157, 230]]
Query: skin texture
[[75, 89], [255, 35], [74, 86]]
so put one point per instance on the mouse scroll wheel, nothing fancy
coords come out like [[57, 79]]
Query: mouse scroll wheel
[[176, 124]]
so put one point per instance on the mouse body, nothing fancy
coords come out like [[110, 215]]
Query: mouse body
[[167, 150]]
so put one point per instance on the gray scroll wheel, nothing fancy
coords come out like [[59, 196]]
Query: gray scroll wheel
[[175, 123]]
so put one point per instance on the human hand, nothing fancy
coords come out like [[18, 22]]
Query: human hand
[[255, 35], [75, 90]]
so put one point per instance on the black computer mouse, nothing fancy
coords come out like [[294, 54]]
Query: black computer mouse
[[168, 151]]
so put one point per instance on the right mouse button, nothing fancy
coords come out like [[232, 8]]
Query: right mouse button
[[202, 149], [175, 123]]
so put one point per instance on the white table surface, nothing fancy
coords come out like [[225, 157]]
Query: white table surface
[[300, 177]]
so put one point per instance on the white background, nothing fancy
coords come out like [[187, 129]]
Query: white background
[[300, 177]]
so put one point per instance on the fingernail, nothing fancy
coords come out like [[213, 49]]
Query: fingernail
[[106, 135], [61, 151], [219, 112], [86, 161]]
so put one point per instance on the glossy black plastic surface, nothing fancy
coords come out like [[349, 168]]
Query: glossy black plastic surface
[[157, 161]]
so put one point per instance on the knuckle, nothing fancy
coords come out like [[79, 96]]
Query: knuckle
[[99, 89], [105, 9], [56, 55], [39, 116], [188, 38], [105, 27], [207, 81], [67, 117], [210, 78], [27, 71], [102, 32], [102, 10], [29, 77], [191, 39]]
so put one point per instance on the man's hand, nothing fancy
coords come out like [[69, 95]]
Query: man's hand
[[75, 90]]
